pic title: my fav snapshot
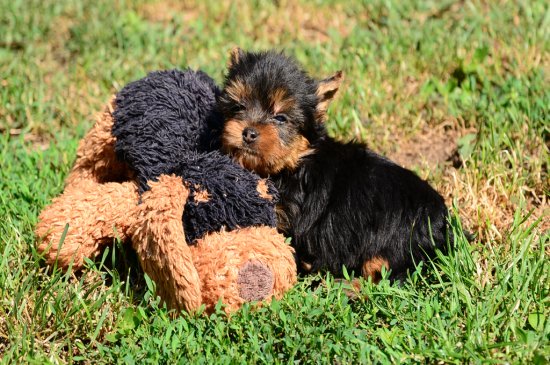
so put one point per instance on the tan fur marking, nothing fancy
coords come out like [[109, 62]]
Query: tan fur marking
[[238, 90], [268, 142], [280, 102], [262, 189], [273, 155], [201, 195], [232, 136], [373, 267]]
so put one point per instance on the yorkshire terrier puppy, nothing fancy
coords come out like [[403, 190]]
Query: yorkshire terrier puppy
[[341, 203]]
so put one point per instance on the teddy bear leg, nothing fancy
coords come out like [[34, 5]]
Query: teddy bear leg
[[248, 264], [159, 240], [95, 214], [95, 158]]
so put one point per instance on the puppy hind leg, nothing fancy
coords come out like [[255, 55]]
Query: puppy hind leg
[[372, 268]]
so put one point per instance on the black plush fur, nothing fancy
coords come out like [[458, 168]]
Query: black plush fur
[[160, 118], [342, 204], [167, 123]]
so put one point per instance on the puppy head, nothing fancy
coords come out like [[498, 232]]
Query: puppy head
[[273, 110]]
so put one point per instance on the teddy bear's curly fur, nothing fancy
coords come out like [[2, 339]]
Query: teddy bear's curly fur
[[117, 190]]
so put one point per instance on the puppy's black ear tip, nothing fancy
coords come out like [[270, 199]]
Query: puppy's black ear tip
[[328, 87], [339, 75]]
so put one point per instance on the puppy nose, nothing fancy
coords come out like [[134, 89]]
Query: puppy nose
[[250, 135]]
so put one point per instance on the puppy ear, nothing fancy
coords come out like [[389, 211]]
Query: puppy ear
[[326, 90], [235, 56]]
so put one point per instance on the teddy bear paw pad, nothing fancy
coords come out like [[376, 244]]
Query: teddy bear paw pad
[[255, 281]]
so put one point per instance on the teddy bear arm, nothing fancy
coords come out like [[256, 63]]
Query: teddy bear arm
[[92, 215], [159, 241]]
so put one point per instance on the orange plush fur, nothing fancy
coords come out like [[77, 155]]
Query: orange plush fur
[[100, 203]]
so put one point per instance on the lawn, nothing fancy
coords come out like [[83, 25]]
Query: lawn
[[456, 90]]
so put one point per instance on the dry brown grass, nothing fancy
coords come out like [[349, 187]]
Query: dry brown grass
[[486, 207], [486, 201]]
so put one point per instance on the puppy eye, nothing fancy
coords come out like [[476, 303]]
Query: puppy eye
[[280, 118], [238, 107]]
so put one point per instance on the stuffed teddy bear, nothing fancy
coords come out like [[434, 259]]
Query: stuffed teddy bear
[[150, 172]]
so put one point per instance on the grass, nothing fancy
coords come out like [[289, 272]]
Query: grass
[[468, 75]]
